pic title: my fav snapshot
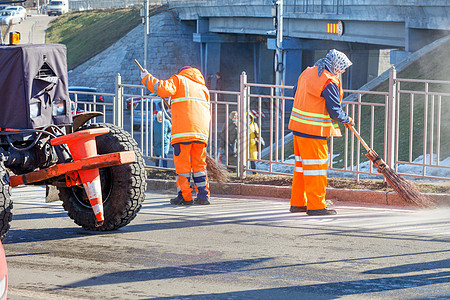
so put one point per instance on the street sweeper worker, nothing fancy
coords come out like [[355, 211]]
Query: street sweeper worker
[[315, 113], [190, 109]]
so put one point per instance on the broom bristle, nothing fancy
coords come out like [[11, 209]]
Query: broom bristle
[[405, 189], [216, 170]]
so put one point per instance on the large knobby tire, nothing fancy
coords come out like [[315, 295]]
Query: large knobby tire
[[123, 186], [6, 204]]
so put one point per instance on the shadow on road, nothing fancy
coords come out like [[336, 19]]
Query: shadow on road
[[167, 272], [240, 268], [331, 290], [49, 234]]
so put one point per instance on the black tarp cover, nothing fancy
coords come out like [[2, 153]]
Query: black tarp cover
[[36, 75]]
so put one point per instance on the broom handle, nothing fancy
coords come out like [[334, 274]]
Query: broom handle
[[139, 65], [352, 128], [142, 70]]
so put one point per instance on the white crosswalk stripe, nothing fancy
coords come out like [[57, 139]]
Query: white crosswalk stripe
[[357, 219], [432, 223]]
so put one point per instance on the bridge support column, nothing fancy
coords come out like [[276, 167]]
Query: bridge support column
[[293, 67], [210, 45], [292, 59], [358, 72], [210, 61]]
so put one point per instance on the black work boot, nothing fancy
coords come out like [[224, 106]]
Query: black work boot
[[295, 209], [179, 201], [201, 202], [321, 212]]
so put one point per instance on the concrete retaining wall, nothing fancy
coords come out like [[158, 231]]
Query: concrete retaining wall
[[170, 47]]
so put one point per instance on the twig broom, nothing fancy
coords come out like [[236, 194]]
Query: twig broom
[[215, 169], [405, 189]]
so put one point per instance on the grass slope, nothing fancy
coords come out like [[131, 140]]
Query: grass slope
[[434, 65], [87, 33], [431, 66]]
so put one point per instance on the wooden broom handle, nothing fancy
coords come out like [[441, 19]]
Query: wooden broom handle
[[142, 70], [139, 65], [352, 128]]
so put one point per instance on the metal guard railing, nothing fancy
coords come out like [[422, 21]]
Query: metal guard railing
[[407, 125]]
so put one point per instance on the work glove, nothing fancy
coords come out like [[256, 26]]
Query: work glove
[[350, 123], [144, 73]]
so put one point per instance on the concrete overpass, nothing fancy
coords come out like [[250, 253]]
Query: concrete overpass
[[374, 33]]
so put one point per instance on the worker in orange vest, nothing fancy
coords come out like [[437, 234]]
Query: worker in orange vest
[[316, 110], [190, 109]]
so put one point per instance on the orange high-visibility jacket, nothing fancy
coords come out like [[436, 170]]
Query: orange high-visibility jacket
[[309, 114], [190, 104]]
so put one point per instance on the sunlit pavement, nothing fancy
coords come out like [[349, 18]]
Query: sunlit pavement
[[235, 248], [32, 30]]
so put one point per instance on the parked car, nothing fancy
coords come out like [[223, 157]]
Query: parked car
[[137, 113], [3, 274], [20, 10], [4, 6], [134, 100], [10, 17], [57, 8], [83, 96]]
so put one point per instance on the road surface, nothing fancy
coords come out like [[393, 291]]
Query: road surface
[[235, 248], [32, 30]]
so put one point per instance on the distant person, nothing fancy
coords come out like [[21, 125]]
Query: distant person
[[218, 81], [254, 139], [190, 114], [161, 138], [317, 107], [229, 142]]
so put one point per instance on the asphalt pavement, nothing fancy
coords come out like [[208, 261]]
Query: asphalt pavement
[[236, 248], [32, 30]]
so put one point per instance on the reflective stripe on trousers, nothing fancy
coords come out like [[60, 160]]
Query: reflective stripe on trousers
[[310, 173], [201, 185], [191, 157]]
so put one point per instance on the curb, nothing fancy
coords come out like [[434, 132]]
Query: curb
[[284, 193]]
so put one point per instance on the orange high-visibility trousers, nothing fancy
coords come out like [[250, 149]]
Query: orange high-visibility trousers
[[310, 174], [187, 158]]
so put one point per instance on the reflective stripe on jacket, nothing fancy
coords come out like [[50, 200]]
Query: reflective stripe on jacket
[[309, 113], [189, 105]]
